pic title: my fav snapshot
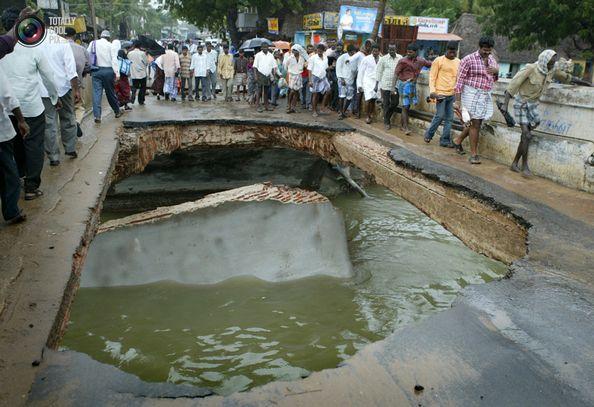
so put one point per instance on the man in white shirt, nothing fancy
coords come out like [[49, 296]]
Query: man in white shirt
[[265, 68], [346, 80], [199, 69], [104, 70], [22, 68], [138, 72], [367, 82], [318, 82], [170, 63], [355, 63], [10, 184], [294, 64], [61, 60], [213, 59], [386, 70]]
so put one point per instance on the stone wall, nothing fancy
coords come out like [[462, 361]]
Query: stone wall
[[561, 145]]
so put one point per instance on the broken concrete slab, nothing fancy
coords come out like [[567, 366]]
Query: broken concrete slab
[[274, 233], [82, 381]]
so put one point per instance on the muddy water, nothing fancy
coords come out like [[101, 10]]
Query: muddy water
[[245, 332]]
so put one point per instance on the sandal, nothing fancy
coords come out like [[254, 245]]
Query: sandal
[[427, 140], [474, 159], [21, 217], [459, 149], [29, 196]]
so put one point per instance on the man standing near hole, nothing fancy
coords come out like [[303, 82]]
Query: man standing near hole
[[386, 68], [526, 88], [477, 74], [265, 69], [318, 81], [442, 81], [345, 74], [367, 83], [407, 73]]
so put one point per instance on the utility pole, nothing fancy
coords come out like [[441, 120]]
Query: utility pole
[[91, 4]]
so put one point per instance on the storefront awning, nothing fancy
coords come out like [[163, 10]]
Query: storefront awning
[[438, 37]]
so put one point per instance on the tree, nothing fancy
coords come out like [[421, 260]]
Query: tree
[[451, 9], [546, 22], [378, 19], [217, 14]]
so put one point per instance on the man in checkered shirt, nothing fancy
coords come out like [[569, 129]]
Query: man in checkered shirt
[[476, 76]]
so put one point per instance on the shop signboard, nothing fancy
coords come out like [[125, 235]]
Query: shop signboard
[[330, 20], [356, 19], [432, 25], [397, 20], [272, 25], [313, 21]]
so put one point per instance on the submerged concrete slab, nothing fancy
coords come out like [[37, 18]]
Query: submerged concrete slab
[[271, 232]]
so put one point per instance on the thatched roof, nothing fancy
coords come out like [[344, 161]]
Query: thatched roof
[[468, 27]]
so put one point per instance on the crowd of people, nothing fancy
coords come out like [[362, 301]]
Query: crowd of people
[[41, 103]]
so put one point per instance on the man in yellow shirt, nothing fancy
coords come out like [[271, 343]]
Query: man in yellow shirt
[[442, 80], [226, 70]]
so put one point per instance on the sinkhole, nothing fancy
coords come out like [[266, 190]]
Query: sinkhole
[[228, 268]]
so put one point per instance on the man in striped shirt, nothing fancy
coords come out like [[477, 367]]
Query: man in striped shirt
[[476, 75], [185, 61]]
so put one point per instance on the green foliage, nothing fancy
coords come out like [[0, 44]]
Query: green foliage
[[138, 15], [212, 14], [545, 22], [451, 9]]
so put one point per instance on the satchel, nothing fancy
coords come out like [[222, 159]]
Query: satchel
[[93, 57]]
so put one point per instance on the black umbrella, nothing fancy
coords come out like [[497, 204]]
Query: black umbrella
[[151, 46], [255, 43]]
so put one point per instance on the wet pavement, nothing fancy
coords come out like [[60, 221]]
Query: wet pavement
[[527, 340]]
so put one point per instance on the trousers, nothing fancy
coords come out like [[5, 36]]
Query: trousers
[[103, 79], [444, 112], [389, 105], [67, 126], [29, 151], [140, 86], [10, 184]]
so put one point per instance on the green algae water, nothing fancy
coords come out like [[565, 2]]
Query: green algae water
[[245, 332]]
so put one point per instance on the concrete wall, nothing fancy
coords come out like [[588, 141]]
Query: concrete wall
[[270, 233], [561, 145]]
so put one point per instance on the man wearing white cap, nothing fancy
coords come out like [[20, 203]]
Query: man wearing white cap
[[104, 70]]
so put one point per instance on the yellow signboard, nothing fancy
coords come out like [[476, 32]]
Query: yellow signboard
[[273, 25], [397, 20], [312, 21]]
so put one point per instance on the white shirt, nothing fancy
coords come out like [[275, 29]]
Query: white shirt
[[107, 55], [317, 66], [213, 58], [8, 102], [199, 64], [61, 59], [344, 70], [386, 69], [293, 66], [265, 63], [170, 63], [367, 68], [21, 68], [356, 60], [192, 49], [139, 64]]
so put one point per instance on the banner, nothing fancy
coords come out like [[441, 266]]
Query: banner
[[356, 19], [272, 25], [313, 21], [330, 20]]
